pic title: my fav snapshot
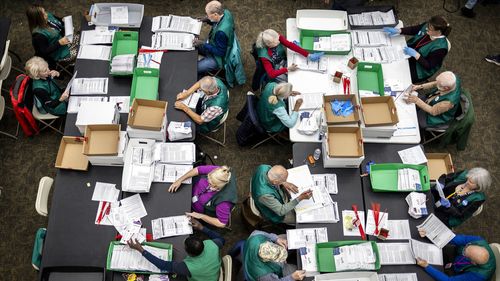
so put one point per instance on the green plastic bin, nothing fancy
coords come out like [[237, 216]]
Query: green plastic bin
[[151, 244], [370, 77], [384, 177], [124, 43], [145, 84], [307, 40], [324, 254]]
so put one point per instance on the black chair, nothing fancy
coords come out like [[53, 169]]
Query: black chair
[[74, 274], [254, 118], [260, 77]]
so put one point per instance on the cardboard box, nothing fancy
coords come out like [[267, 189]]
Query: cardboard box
[[344, 142], [92, 112], [101, 140], [339, 162], [438, 164], [70, 154], [331, 118], [147, 114], [379, 111], [116, 160]]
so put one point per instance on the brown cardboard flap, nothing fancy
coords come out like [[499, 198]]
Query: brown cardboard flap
[[102, 140], [147, 114], [379, 111], [345, 142], [70, 154], [331, 118], [438, 164]]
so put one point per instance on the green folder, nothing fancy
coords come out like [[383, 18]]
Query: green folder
[[151, 244], [145, 84], [384, 177], [324, 254], [370, 77]]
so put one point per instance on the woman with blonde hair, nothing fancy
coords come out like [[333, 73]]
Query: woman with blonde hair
[[48, 96], [213, 195], [271, 107]]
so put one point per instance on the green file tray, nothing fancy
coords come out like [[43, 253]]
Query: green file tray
[[151, 244], [124, 43], [145, 84], [384, 177], [370, 77], [307, 40], [324, 254]]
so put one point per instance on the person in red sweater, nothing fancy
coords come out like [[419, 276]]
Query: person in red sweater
[[271, 50]]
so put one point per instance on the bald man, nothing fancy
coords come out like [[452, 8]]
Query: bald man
[[441, 105], [269, 188], [474, 261], [220, 38], [212, 107]]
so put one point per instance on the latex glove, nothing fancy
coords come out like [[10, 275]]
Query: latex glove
[[316, 56], [391, 31], [445, 202], [410, 52], [296, 43]]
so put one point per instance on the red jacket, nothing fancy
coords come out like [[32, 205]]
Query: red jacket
[[268, 66]]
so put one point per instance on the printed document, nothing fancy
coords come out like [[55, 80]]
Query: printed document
[[371, 224], [105, 192], [170, 172], [359, 256], [193, 99], [176, 24], [149, 59], [125, 258], [133, 207], [89, 86], [308, 259], [370, 38], [172, 41], [436, 231], [301, 177], [94, 37], [68, 28], [175, 153], [395, 253], [348, 217], [94, 52], [398, 277], [309, 100], [417, 204], [426, 251], [74, 102], [326, 180], [119, 15], [326, 214], [298, 238], [409, 179], [398, 230], [413, 155], [171, 226], [303, 63]]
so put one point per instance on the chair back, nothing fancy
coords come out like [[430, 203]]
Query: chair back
[[226, 269], [4, 55], [495, 247], [478, 211], [252, 112], [449, 44], [2, 105], [42, 196], [254, 209]]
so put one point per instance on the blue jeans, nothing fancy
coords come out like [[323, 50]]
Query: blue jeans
[[206, 64]]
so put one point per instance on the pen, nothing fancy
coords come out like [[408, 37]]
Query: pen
[[449, 196]]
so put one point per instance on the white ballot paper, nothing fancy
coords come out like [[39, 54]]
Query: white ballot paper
[[139, 236], [172, 41], [395, 253], [89, 86], [303, 63], [327, 214], [123, 103], [308, 259], [74, 102], [370, 38], [301, 177], [175, 153], [149, 59], [348, 216], [94, 37], [426, 251], [436, 231], [133, 207], [359, 256], [327, 180], [176, 24], [68, 28], [94, 52], [125, 258], [413, 155], [119, 15], [193, 99], [309, 100], [171, 226], [298, 238], [398, 277], [371, 225], [398, 230], [105, 192], [170, 172]]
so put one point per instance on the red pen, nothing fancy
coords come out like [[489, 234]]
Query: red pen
[[360, 227], [151, 51], [101, 213]]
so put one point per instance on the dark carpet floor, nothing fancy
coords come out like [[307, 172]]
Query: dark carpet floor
[[25, 161]]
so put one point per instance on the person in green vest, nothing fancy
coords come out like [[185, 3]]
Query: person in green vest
[[464, 193], [47, 33], [271, 108], [473, 260], [48, 96], [214, 194], [271, 194], [271, 50], [212, 107], [202, 262], [220, 38], [441, 105], [427, 48]]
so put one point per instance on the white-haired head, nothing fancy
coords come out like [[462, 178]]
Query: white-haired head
[[280, 91], [446, 81], [214, 10], [277, 175], [37, 68], [268, 38], [208, 85], [480, 177]]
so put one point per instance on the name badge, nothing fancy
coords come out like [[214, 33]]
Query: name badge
[[194, 199]]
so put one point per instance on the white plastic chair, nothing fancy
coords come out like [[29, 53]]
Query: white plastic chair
[[222, 123], [42, 196], [2, 111], [6, 65], [478, 211], [495, 247], [449, 44], [226, 269], [46, 119]]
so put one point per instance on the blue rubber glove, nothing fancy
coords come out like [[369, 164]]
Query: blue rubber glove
[[410, 52], [296, 43], [391, 31], [445, 202], [316, 56]]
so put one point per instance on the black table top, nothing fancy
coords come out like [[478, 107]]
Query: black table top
[[4, 33]]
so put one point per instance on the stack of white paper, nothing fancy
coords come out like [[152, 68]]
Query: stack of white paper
[[125, 258], [413, 155], [417, 204], [149, 59], [383, 54], [309, 100], [179, 130], [119, 15], [398, 230], [326, 180], [138, 170], [308, 259], [298, 238], [429, 252], [93, 37], [94, 52], [327, 214], [436, 231], [175, 153], [353, 257], [89, 86], [68, 28], [172, 41], [373, 18], [398, 277], [176, 24], [303, 63], [74, 102], [336, 42], [370, 38], [193, 99], [171, 226], [171, 172], [409, 179], [123, 64], [395, 253], [105, 192]]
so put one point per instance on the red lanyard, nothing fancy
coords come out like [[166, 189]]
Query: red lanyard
[[421, 44]]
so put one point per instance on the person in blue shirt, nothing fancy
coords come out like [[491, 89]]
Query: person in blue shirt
[[474, 260]]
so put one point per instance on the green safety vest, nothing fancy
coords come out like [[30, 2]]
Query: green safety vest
[[265, 109], [254, 266], [221, 100], [263, 53], [448, 116], [439, 43], [485, 270], [53, 36], [226, 25], [54, 93], [228, 194], [261, 186], [206, 266]]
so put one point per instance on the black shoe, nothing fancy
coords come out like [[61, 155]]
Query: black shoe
[[493, 59], [469, 13]]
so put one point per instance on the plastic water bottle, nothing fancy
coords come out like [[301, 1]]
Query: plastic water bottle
[[317, 154]]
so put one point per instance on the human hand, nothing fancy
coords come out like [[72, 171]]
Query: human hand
[[298, 274], [445, 202], [194, 215], [416, 87], [298, 104], [422, 263], [134, 244], [174, 186], [197, 42], [64, 96], [294, 93], [422, 232], [410, 52], [315, 56], [282, 242], [411, 99], [204, 19], [196, 224], [180, 105], [180, 96], [64, 41], [293, 67], [305, 195], [290, 187], [54, 73], [391, 31]]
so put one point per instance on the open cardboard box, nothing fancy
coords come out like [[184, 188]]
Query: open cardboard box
[[438, 164], [70, 154], [147, 114], [101, 140], [345, 142], [331, 118], [379, 111]]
